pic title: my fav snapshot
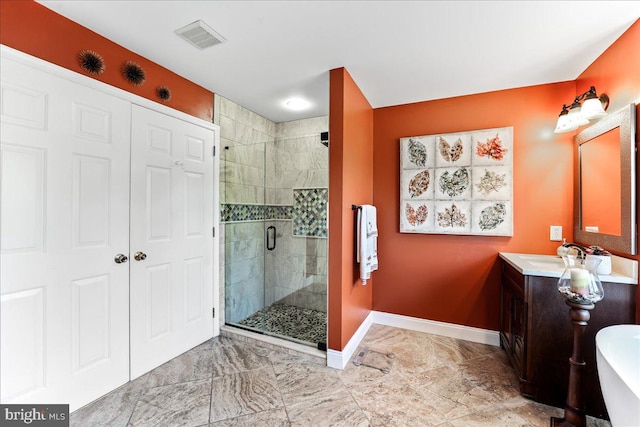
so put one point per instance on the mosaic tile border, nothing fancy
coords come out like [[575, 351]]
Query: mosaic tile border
[[244, 212], [279, 212]]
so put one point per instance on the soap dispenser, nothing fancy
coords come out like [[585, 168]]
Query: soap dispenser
[[562, 250]]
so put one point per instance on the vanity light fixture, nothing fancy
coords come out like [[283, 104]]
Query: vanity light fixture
[[576, 115]]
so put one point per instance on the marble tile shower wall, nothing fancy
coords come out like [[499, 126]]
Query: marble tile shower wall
[[243, 138], [298, 159]]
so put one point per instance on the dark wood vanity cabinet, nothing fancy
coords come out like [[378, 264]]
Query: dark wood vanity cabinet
[[537, 335]]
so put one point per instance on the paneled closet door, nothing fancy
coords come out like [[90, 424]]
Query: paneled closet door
[[64, 198], [171, 233]]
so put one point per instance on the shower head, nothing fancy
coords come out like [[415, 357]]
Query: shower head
[[324, 139]]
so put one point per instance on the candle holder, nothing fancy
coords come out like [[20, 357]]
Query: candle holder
[[579, 282], [581, 287]]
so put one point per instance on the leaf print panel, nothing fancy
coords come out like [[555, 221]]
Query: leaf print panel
[[492, 218], [417, 152], [491, 183], [416, 216], [453, 216], [416, 184], [493, 146], [453, 184], [450, 152], [453, 149], [419, 184]]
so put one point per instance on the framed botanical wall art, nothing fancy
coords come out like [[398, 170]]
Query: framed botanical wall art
[[457, 183]]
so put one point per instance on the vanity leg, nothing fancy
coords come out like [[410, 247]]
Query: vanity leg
[[574, 414]]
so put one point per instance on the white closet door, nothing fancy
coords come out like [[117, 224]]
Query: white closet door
[[171, 223], [64, 201]]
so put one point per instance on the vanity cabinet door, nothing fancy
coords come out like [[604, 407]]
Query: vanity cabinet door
[[506, 305], [513, 318], [519, 328]]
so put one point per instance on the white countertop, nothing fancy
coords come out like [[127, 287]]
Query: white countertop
[[624, 270]]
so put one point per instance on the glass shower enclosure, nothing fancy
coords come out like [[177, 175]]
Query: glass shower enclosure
[[274, 214]]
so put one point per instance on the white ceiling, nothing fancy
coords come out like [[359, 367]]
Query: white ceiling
[[398, 52]]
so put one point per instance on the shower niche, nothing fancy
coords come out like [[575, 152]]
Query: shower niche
[[274, 195]]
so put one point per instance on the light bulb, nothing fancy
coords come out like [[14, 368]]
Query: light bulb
[[297, 104], [575, 116], [564, 124], [592, 109]]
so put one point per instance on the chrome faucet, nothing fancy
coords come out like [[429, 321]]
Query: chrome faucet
[[582, 251]]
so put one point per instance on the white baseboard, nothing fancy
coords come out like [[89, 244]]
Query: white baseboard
[[451, 330], [339, 359]]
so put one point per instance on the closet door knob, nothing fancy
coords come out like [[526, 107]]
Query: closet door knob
[[121, 259], [140, 256]]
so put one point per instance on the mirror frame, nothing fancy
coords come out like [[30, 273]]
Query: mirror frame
[[626, 242]]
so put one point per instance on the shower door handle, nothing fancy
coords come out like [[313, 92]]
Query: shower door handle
[[271, 238]]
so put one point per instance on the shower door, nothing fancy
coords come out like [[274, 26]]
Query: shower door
[[275, 218], [242, 196]]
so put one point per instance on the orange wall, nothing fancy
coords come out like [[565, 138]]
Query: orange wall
[[456, 279], [616, 73], [32, 28], [350, 182]]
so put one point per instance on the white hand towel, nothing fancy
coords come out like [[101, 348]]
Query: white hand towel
[[367, 242]]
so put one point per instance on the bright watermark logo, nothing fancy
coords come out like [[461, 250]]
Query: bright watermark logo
[[34, 415]]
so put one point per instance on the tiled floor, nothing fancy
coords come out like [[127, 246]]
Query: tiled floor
[[433, 381]]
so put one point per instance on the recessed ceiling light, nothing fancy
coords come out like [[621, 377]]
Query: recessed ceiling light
[[297, 104]]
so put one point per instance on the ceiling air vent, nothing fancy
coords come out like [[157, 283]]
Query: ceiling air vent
[[200, 35]]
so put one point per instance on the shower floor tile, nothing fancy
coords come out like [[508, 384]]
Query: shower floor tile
[[303, 324]]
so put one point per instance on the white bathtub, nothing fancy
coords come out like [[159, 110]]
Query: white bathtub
[[618, 364]]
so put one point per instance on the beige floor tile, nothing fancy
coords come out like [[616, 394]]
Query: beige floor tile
[[175, 405], [396, 404], [338, 409], [536, 414], [272, 418], [433, 381], [301, 382], [237, 357], [244, 393], [496, 416], [112, 410], [196, 364]]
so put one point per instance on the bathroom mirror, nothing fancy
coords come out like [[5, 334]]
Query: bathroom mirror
[[605, 181]]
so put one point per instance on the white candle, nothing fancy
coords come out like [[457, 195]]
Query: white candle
[[580, 281]]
